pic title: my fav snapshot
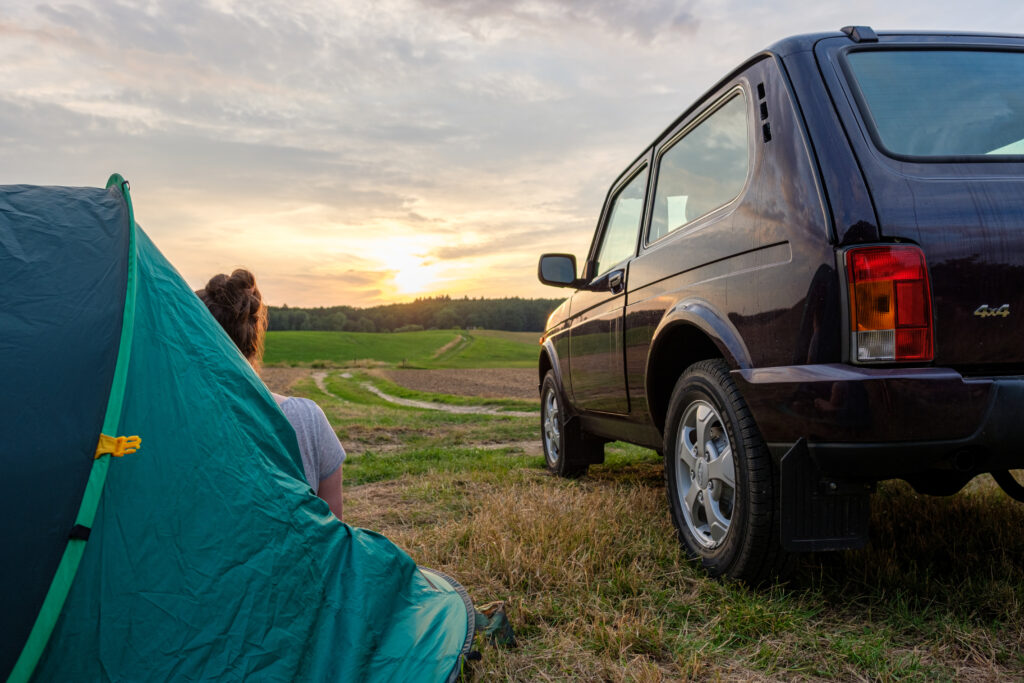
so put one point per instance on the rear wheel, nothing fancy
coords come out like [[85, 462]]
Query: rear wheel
[[567, 451], [722, 485]]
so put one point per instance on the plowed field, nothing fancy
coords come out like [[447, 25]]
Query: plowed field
[[518, 383]]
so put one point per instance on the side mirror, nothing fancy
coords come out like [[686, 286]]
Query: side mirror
[[557, 270]]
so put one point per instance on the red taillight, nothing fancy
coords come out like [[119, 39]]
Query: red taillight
[[890, 304]]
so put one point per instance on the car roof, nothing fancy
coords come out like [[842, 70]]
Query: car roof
[[790, 45], [806, 41]]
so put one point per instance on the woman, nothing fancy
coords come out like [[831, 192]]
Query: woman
[[236, 303]]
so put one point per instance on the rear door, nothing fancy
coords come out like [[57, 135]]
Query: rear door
[[597, 357], [937, 123]]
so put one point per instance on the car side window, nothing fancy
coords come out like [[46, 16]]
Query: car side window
[[618, 242], [704, 169]]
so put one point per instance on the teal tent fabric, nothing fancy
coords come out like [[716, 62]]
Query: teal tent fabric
[[210, 557], [63, 267]]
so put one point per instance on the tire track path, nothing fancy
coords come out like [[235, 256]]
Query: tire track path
[[444, 407]]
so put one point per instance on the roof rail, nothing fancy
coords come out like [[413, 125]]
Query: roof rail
[[860, 34]]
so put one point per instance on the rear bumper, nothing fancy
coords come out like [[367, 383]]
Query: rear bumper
[[879, 423]]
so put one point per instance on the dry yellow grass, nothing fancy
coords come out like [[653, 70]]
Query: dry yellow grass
[[599, 591]]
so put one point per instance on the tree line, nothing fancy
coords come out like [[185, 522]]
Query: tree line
[[442, 312]]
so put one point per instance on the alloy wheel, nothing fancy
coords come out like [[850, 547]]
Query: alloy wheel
[[552, 427], [705, 474]]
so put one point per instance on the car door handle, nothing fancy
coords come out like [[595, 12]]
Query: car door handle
[[616, 281]]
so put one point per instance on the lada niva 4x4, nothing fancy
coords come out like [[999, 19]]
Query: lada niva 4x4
[[812, 281]]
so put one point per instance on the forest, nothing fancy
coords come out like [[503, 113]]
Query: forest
[[512, 314]]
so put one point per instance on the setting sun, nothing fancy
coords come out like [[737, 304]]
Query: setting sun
[[412, 272], [414, 277]]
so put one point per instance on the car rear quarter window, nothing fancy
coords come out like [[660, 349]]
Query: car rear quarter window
[[704, 169], [938, 103]]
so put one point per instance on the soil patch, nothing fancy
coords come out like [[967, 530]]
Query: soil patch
[[281, 380], [520, 383]]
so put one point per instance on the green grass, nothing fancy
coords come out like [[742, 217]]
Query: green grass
[[531, 338], [346, 348], [598, 588], [371, 466], [423, 349], [492, 350], [368, 424]]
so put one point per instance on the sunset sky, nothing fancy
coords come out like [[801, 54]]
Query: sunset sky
[[371, 152]]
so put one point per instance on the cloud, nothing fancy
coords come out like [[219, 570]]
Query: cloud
[[641, 21], [316, 140], [254, 134]]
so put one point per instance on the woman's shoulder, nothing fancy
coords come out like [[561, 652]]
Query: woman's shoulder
[[298, 406]]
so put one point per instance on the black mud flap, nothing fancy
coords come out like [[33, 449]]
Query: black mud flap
[[592, 447], [1009, 485], [820, 512]]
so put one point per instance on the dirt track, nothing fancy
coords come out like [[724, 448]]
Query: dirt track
[[518, 383]]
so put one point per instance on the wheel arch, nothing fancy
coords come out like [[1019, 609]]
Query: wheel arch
[[691, 331], [549, 361]]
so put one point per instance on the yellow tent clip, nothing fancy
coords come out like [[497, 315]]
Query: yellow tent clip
[[118, 446]]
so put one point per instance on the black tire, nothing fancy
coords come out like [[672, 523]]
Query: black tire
[[721, 481], [568, 452]]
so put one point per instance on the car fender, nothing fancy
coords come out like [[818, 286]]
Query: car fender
[[703, 316], [548, 349]]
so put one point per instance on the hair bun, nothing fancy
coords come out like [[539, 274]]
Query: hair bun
[[235, 301], [247, 298], [236, 295]]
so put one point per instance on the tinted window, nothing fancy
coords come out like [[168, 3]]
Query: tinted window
[[704, 170], [943, 102], [619, 240]]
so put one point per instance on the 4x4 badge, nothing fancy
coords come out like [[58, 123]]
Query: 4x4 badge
[[985, 312]]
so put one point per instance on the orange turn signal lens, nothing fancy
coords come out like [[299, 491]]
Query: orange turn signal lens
[[890, 304]]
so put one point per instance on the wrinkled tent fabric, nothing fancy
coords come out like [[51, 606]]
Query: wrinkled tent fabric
[[210, 557]]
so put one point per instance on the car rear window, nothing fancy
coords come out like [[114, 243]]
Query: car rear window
[[942, 103]]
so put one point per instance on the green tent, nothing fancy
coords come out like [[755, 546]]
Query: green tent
[[203, 554]]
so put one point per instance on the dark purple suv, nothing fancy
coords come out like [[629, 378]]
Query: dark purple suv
[[810, 282]]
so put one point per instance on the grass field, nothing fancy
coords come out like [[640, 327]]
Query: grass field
[[424, 349], [599, 591]]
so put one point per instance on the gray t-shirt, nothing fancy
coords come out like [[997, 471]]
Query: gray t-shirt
[[322, 453]]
